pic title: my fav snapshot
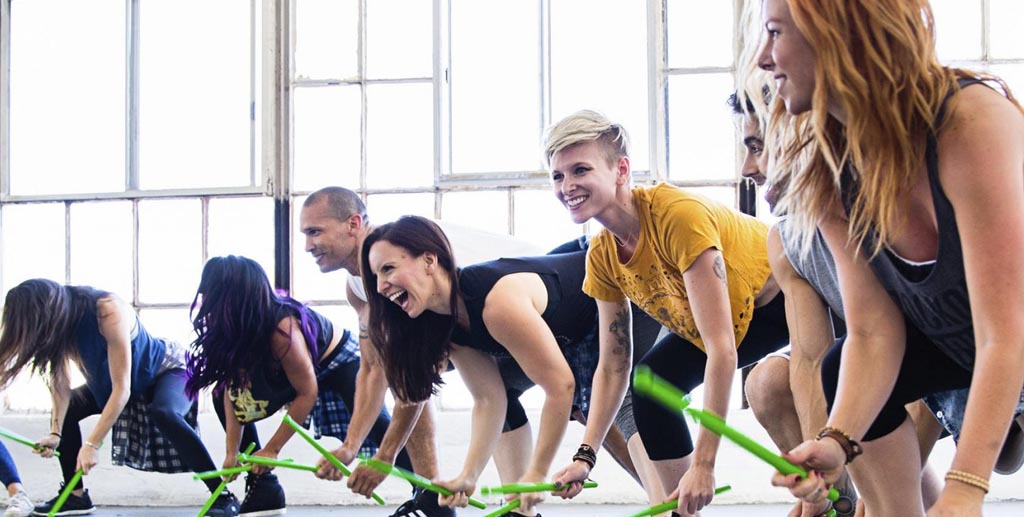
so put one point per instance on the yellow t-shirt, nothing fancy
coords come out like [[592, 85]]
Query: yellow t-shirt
[[676, 226]]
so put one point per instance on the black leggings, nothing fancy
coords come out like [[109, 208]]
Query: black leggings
[[167, 407], [664, 433], [925, 370], [343, 382]]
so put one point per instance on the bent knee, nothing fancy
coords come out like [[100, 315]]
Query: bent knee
[[767, 384]]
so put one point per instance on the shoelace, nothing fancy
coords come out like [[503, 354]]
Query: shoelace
[[250, 484]]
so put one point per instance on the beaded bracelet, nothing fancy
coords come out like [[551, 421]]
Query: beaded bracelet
[[968, 479], [850, 447]]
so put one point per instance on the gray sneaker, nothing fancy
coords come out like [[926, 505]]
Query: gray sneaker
[[19, 505]]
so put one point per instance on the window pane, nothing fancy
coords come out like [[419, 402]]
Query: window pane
[[195, 95], [702, 136], [957, 29], [172, 324], [326, 38], [495, 90], [308, 283], [243, 226], [1004, 35], [33, 243], [399, 135], [67, 93], [384, 208], [101, 246], [540, 219], [399, 45], [723, 195], [170, 250], [699, 33], [482, 210], [326, 142], [604, 74]]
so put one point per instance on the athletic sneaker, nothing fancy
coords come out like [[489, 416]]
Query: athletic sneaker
[[75, 505], [19, 505], [423, 504], [226, 505], [263, 496]]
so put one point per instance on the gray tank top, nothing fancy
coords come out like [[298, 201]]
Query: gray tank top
[[817, 267], [934, 296]]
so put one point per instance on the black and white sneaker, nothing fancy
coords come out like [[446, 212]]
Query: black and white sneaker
[[74, 505], [263, 496], [423, 504], [226, 505]]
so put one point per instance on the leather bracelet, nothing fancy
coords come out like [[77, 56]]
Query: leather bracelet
[[586, 454], [968, 479], [56, 434], [851, 447]]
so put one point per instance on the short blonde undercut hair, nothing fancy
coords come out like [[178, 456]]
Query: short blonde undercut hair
[[582, 127]]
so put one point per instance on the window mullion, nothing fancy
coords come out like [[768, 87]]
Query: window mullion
[[5, 98], [132, 181], [657, 95]]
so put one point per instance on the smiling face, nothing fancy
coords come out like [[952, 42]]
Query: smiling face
[[407, 281], [788, 56], [584, 181], [333, 243], [755, 161]]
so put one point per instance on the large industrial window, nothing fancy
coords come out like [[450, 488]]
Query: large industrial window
[[138, 138]]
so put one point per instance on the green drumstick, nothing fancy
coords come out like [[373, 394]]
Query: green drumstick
[[24, 441], [522, 488], [220, 488], [647, 383], [325, 453], [270, 462], [65, 493], [415, 479], [512, 505], [671, 505], [718, 426], [221, 473]]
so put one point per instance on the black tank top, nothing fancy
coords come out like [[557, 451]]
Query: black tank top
[[570, 313], [933, 297]]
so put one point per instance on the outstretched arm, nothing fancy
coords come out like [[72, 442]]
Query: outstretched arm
[[811, 336], [480, 374], [610, 382], [981, 168]]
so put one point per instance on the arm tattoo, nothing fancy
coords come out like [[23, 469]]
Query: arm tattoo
[[719, 267], [619, 329]]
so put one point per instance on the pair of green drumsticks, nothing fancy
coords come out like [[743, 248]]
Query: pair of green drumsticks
[[649, 384], [380, 466], [68, 488]]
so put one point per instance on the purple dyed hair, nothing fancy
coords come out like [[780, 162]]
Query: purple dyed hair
[[235, 313]]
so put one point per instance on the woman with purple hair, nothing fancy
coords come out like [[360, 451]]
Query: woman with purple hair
[[261, 351]]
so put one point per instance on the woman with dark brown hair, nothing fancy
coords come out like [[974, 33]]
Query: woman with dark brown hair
[[128, 373]]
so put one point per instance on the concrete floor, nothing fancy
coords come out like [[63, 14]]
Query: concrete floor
[[1000, 509], [125, 492]]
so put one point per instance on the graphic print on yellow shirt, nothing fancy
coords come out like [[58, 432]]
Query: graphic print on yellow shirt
[[676, 226]]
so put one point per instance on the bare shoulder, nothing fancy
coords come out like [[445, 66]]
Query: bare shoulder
[[981, 148], [113, 308]]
